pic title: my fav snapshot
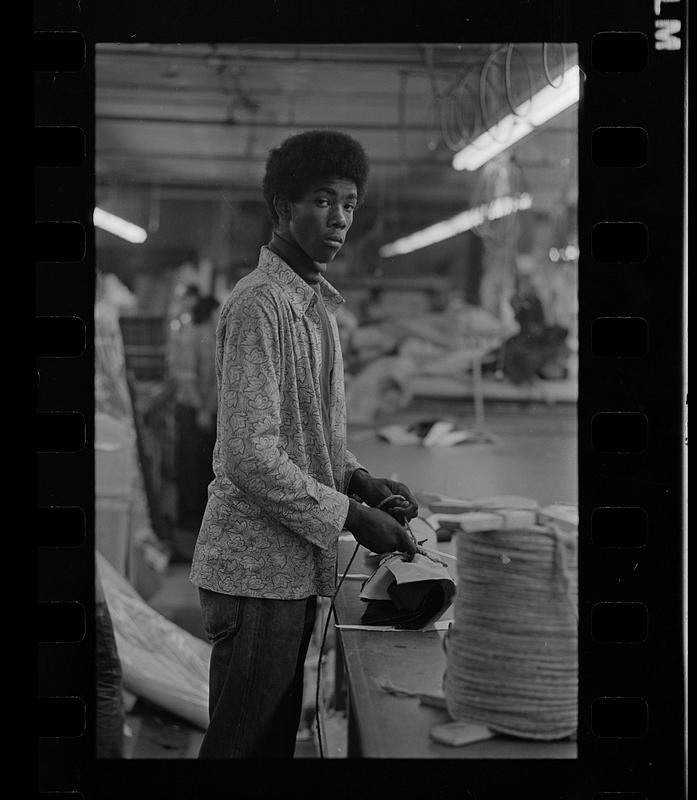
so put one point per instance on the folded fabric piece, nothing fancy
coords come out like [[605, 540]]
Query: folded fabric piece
[[477, 521], [429, 433], [407, 592], [564, 515], [505, 501], [438, 504]]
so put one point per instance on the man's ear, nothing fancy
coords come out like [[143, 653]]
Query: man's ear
[[282, 207]]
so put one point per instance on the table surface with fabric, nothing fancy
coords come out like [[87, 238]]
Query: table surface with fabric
[[387, 725]]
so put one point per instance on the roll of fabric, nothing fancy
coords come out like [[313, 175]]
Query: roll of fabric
[[160, 661], [512, 651]]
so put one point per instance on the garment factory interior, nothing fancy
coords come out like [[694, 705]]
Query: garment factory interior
[[458, 334]]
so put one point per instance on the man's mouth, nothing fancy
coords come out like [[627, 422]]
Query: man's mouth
[[334, 241]]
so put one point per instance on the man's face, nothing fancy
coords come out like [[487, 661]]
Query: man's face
[[320, 220]]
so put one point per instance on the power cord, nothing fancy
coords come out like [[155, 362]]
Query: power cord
[[321, 650], [397, 503]]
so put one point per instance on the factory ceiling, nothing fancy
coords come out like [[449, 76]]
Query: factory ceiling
[[193, 120]]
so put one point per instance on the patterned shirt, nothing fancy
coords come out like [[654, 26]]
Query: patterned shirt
[[278, 501], [327, 361]]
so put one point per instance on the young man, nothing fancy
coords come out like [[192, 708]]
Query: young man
[[280, 497]]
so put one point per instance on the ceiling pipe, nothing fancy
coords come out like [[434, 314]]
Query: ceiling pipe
[[207, 89], [356, 61], [387, 127], [260, 159]]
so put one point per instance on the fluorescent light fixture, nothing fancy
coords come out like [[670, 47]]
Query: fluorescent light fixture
[[119, 227], [545, 105], [500, 207]]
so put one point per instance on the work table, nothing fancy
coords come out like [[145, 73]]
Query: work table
[[385, 725]]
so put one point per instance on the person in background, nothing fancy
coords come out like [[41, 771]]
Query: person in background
[[185, 305], [204, 318], [192, 375], [373, 308], [538, 350], [285, 484]]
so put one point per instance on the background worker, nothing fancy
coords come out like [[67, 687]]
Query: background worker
[[192, 374]]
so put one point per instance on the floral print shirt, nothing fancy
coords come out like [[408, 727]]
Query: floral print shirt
[[278, 501]]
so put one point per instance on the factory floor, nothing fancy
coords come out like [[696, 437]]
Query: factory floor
[[528, 450]]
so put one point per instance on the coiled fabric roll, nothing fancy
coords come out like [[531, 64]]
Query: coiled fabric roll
[[512, 650]]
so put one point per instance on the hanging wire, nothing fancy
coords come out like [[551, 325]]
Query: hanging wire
[[455, 132], [460, 78], [434, 110], [508, 169], [427, 58], [451, 123], [483, 80], [468, 92], [445, 112], [466, 128], [545, 64], [511, 49], [452, 113]]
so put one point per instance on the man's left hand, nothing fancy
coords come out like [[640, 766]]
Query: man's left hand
[[374, 490]]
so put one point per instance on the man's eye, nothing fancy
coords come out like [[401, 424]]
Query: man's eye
[[350, 208]]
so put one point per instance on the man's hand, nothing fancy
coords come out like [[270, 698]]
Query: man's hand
[[373, 491], [377, 530]]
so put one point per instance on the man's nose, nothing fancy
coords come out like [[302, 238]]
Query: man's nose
[[338, 218]]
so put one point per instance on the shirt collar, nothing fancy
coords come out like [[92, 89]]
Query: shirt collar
[[300, 293]]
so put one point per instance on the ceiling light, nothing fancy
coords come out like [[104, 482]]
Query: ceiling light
[[546, 104], [471, 218], [119, 227]]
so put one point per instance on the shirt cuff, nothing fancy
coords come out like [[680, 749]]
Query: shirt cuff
[[350, 475]]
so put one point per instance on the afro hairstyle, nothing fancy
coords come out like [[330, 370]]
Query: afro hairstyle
[[302, 159]]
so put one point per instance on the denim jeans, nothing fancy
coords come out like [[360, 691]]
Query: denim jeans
[[110, 710], [256, 673]]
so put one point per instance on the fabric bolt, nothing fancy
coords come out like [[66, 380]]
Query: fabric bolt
[[256, 673], [278, 501]]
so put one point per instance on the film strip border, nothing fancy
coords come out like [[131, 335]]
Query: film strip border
[[631, 408], [64, 431], [631, 405]]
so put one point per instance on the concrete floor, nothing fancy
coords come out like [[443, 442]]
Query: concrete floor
[[533, 453]]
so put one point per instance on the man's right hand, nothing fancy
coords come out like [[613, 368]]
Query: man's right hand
[[378, 531]]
